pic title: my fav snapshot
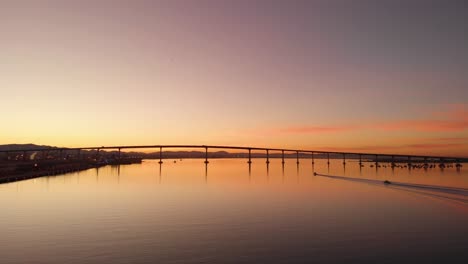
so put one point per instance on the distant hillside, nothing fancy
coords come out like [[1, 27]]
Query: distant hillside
[[22, 146]]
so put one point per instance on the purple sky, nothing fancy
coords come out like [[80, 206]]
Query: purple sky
[[311, 74]]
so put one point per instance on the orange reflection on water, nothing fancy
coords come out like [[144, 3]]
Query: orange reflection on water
[[186, 210]]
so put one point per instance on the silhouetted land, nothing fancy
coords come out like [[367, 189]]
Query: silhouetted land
[[16, 170], [15, 166]]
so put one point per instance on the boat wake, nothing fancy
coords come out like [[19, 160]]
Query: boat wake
[[450, 193]]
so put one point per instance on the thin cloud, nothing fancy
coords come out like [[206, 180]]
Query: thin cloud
[[434, 145], [316, 129], [424, 125], [450, 139], [361, 148], [421, 146], [454, 119], [456, 111]]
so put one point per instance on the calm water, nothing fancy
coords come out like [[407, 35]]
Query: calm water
[[182, 213]]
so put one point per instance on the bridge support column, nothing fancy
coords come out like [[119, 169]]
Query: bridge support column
[[328, 159], [160, 155], [409, 162], [297, 157], [376, 161], [360, 160], [282, 156], [312, 156], [119, 154], [267, 157], [344, 159], [206, 155], [250, 156]]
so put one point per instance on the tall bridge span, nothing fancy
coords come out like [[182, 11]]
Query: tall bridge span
[[299, 153]]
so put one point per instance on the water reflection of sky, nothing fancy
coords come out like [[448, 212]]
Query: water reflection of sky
[[185, 213]]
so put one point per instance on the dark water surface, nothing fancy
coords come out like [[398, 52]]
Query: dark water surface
[[182, 213]]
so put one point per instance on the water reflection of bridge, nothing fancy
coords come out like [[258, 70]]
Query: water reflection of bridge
[[268, 153]]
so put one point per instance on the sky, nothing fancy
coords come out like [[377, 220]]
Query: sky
[[368, 76]]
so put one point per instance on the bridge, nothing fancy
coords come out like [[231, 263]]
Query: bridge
[[300, 153]]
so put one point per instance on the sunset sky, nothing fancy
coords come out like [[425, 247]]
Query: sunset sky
[[370, 76]]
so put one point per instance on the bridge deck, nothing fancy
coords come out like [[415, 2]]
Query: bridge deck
[[206, 147]]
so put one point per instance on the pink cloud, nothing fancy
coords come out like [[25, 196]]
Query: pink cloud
[[450, 139], [421, 146], [406, 125], [316, 129], [453, 119], [360, 149], [424, 125], [434, 145], [458, 111]]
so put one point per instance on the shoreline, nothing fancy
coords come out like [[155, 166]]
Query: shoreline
[[18, 171]]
